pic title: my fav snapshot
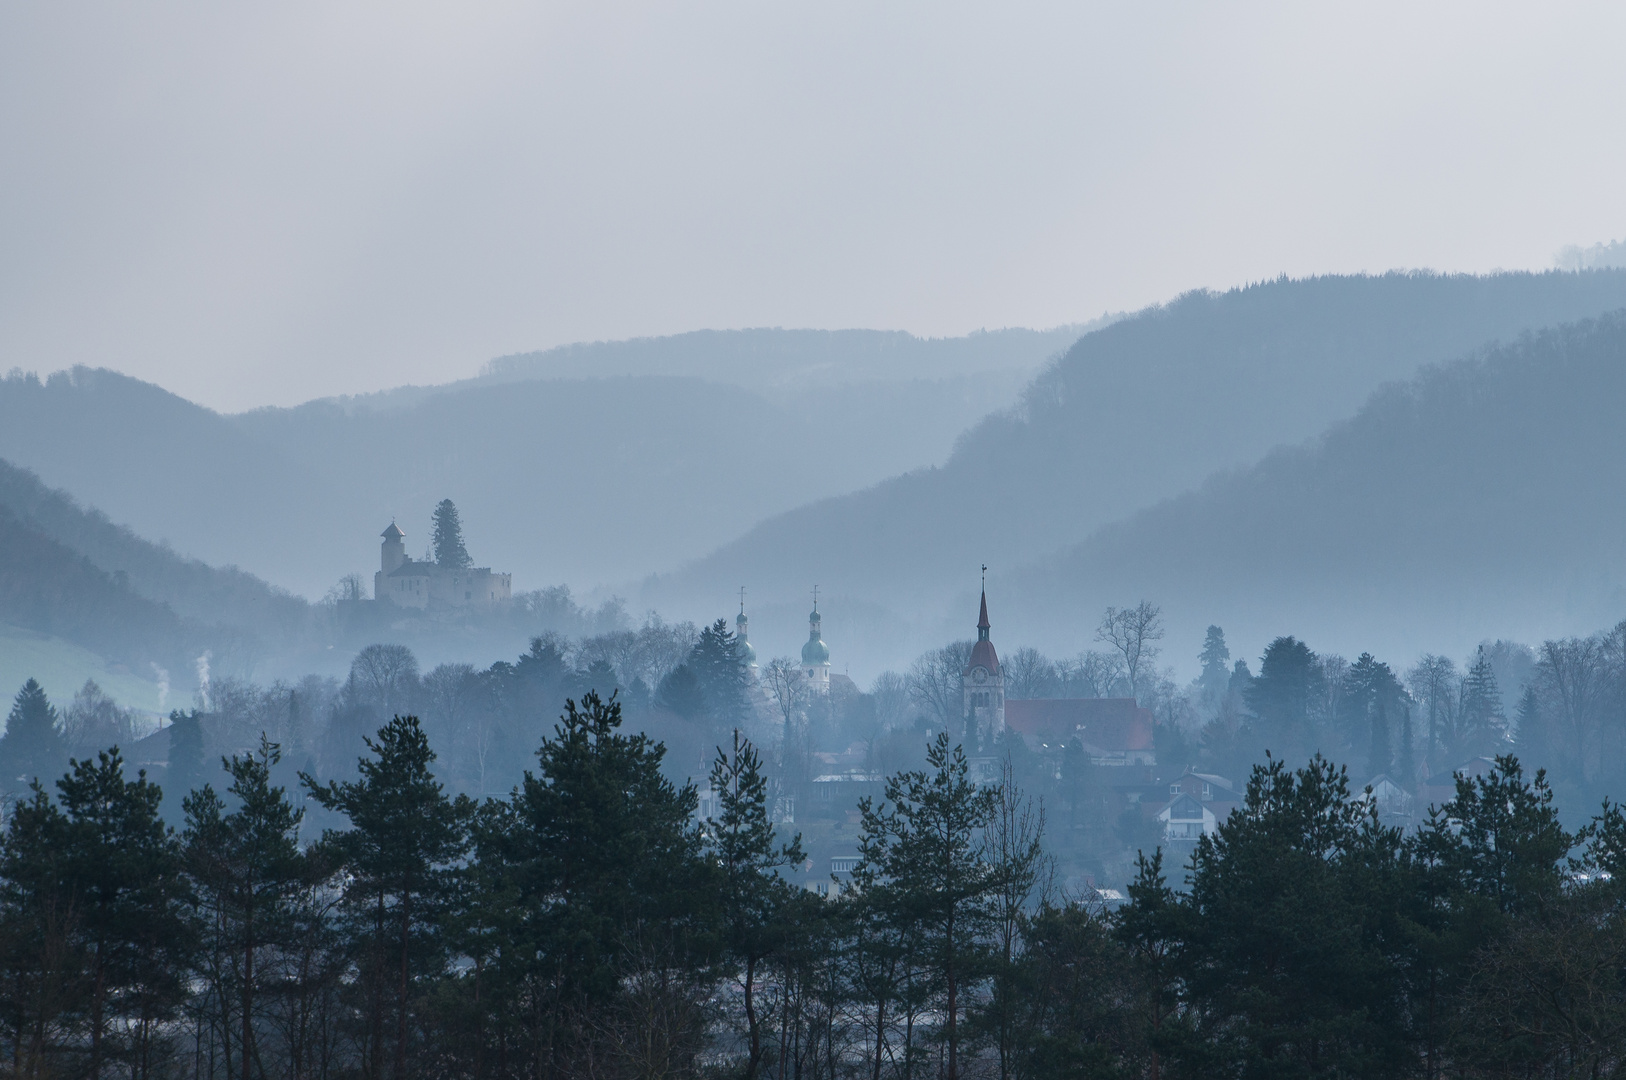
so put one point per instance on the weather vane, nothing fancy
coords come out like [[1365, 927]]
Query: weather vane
[[742, 599], [815, 598], [985, 576]]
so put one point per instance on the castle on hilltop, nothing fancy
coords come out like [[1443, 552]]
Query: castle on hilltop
[[448, 581]]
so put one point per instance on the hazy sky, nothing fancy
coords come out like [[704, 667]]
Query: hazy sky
[[261, 203]]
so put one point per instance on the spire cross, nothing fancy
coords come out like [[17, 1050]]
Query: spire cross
[[815, 598], [985, 575], [742, 599]]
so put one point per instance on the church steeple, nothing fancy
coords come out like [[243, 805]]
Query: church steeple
[[983, 683]]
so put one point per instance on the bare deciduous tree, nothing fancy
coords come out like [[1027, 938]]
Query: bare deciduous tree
[[1134, 632], [935, 684], [1433, 682], [1028, 674], [1092, 675], [787, 685], [386, 676]]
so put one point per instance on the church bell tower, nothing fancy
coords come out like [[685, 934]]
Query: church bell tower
[[983, 685]]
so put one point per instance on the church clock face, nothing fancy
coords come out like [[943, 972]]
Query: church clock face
[[979, 675]]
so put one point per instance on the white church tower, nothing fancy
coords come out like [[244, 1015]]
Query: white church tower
[[816, 654]]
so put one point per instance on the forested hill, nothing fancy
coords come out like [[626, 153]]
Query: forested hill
[[1484, 498], [69, 572], [1133, 414], [585, 480], [195, 590]]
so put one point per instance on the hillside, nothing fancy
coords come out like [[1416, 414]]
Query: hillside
[[48, 588], [1133, 414], [194, 590], [579, 480], [1483, 498]]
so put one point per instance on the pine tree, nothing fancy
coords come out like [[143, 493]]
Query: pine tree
[[719, 667], [248, 869], [41, 948], [447, 538], [1216, 673], [1374, 700], [920, 846], [32, 747], [404, 838], [129, 887], [681, 692], [1482, 724], [742, 844], [1284, 697], [606, 855]]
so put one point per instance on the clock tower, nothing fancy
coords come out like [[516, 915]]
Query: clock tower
[[983, 684]]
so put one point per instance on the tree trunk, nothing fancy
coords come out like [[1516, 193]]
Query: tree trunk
[[751, 1019], [98, 997], [248, 992], [401, 1008]]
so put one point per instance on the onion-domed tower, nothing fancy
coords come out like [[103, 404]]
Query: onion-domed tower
[[816, 654], [748, 653], [984, 686]]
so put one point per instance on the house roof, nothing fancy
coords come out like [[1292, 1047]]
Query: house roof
[[1108, 724], [392, 533]]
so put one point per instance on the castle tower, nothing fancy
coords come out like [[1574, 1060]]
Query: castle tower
[[742, 635], [816, 654], [984, 687], [391, 554]]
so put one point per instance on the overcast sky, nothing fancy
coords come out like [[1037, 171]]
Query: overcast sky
[[261, 203]]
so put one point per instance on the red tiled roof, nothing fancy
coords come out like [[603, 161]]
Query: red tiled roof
[[1113, 724]]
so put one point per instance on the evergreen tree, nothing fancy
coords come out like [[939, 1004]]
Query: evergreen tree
[[682, 693], [719, 667], [447, 538], [1283, 699], [607, 857], [742, 844], [42, 965], [248, 871], [1531, 737], [1216, 673], [404, 838], [1374, 701], [1481, 725], [1149, 927], [1286, 969], [32, 747], [921, 845], [128, 885]]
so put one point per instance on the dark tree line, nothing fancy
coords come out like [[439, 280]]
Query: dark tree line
[[588, 925]]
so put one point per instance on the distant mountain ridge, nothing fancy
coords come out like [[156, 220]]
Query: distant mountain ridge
[[1133, 414], [1482, 498], [579, 480]]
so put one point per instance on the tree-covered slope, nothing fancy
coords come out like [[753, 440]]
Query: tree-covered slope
[[192, 589], [1485, 497], [1133, 414]]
